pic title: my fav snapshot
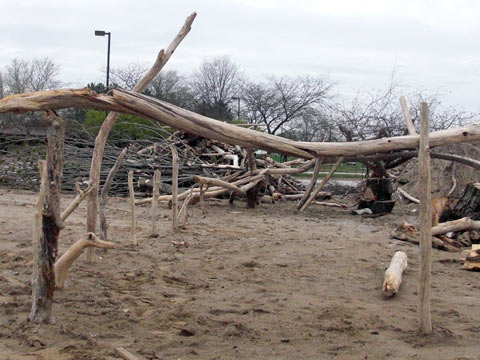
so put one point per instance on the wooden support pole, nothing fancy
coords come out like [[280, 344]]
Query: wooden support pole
[[107, 125], [66, 260], [156, 193], [393, 275], [202, 198], [252, 193], [44, 282], [315, 192], [104, 195], [425, 223], [174, 188], [133, 236], [313, 182], [37, 224]]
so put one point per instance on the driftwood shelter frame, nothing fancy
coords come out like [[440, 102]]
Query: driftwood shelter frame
[[132, 102]]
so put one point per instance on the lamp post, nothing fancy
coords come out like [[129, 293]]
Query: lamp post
[[238, 106], [103, 33]]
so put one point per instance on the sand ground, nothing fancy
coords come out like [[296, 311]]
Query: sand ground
[[268, 283]]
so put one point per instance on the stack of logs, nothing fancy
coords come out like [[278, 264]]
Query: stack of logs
[[455, 223]]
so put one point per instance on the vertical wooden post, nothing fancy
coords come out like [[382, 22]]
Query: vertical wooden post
[[133, 235], [43, 283], [37, 224], [425, 223], [252, 193], [174, 188], [156, 193], [201, 198]]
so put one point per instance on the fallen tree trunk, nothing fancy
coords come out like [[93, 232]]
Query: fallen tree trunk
[[472, 261], [393, 275], [142, 105]]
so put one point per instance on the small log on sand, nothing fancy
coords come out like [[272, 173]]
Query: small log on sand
[[63, 264], [393, 275]]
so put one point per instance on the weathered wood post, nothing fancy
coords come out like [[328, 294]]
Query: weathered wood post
[[156, 193], [425, 224], [252, 193], [133, 235], [174, 188], [43, 283]]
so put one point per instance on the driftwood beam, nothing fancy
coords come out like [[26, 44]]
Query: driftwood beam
[[181, 119], [217, 182], [81, 194]]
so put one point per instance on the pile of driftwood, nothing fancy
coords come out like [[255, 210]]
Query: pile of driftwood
[[455, 223]]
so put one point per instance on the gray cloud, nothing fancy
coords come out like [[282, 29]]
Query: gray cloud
[[356, 46]]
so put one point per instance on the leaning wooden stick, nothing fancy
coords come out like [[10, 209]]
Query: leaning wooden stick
[[174, 188], [183, 213], [124, 354], [407, 117], [313, 195], [81, 194], [133, 236], [393, 275], [66, 260], [425, 223], [313, 182], [104, 194], [107, 125], [156, 193]]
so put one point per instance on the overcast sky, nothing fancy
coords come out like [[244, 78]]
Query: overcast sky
[[432, 44]]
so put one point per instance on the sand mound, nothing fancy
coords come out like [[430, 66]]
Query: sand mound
[[442, 171]]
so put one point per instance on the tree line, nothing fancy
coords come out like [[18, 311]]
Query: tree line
[[303, 107]]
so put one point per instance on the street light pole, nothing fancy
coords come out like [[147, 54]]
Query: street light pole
[[103, 33]]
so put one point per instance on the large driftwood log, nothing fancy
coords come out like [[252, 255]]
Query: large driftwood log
[[44, 282], [104, 194], [107, 125], [393, 275], [425, 223], [66, 260], [182, 119], [469, 203], [462, 224]]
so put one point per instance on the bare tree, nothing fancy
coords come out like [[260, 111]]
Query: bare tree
[[214, 85], [34, 75], [173, 88], [280, 102], [128, 76]]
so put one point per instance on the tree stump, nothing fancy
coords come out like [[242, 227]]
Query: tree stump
[[377, 196], [469, 203]]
